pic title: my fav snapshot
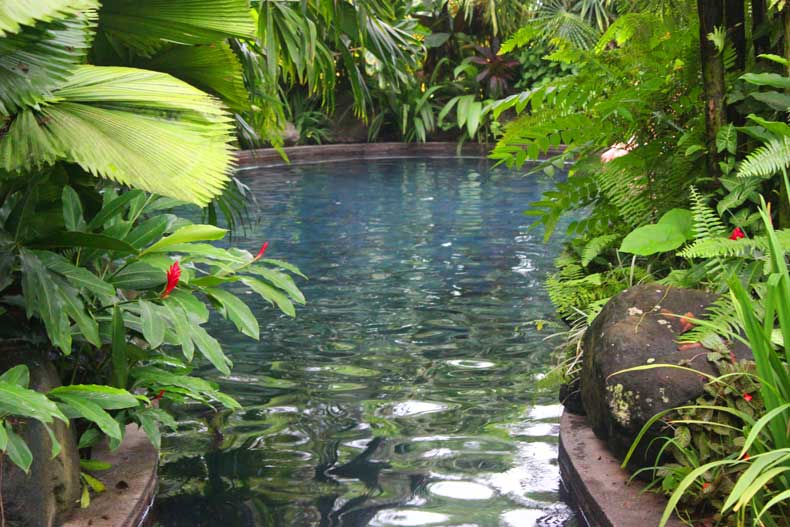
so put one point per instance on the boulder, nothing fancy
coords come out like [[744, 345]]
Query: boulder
[[52, 488], [636, 328]]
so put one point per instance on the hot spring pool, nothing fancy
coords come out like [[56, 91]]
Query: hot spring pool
[[405, 393]]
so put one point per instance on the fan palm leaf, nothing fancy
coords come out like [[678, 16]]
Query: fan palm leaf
[[139, 128], [38, 59], [17, 13], [214, 68], [145, 25]]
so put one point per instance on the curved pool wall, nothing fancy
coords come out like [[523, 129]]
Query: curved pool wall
[[406, 392]]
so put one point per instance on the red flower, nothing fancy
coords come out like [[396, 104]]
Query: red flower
[[746, 457], [262, 251], [737, 234], [158, 396], [747, 397], [705, 486], [173, 276]]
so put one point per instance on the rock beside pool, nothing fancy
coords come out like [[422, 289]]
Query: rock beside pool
[[52, 487], [637, 328]]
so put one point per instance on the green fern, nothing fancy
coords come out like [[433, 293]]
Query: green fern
[[767, 160], [597, 245]]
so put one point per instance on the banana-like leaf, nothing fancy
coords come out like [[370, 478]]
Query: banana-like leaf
[[146, 25], [211, 67], [17, 13], [140, 128], [38, 59]]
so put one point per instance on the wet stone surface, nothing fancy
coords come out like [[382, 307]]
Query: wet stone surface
[[404, 393]]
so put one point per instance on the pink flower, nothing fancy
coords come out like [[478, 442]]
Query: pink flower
[[737, 234], [173, 276], [262, 250]]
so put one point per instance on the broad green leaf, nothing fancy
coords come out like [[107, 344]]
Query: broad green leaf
[[105, 397], [89, 438], [652, 239], [777, 101], [153, 325], [73, 239], [210, 348], [767, 79], [151, 428], [120, 366], [43, 299], [435, 40], [283, 265], [14, 15], [186, 234], [72, 210], [113, 209], [237, 311], [17, 450], [93, 483], [85, 497], [158, 378], [680, 219], [94, 465], [92, 412], [19, 375], [3, 438], [727, 139], [195, 309], [19, 401], [77, 312], [280, 280], [271, 295], [79, 277], [149, 230], [55, 446], [178, 318], [138, 276]]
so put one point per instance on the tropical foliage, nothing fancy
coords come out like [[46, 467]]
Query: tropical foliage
[[96, 100]]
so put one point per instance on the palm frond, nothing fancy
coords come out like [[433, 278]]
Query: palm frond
[[17, 13], [145, 25], [139, 128], [37, 59], [214, 68]]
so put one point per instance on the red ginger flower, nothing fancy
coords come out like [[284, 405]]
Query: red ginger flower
[[737, 234], [262, 251], [173, 276], [747, 397]]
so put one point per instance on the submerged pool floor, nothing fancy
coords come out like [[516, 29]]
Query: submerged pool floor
[[406, 392]]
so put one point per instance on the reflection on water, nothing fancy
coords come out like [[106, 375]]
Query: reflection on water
[[404, 393]]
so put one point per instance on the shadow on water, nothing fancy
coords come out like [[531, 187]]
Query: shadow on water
[[406, 393]]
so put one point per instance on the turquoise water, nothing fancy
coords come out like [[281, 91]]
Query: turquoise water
[[405, 393]]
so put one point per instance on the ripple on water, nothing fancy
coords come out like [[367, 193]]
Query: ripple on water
[[461, 490], [407, 518]]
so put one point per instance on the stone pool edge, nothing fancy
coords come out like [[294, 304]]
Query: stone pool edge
[[131, 484], [598, 487], [269, 157]]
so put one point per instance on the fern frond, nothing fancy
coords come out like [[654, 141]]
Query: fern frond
[[595, 246], [707, 223], [767, 160]]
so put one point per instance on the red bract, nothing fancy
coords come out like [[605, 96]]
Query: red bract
[[747, 397], [737, 234], [262, 251], [705, 486], [173, 276]]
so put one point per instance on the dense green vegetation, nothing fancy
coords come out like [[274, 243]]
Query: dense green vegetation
[[671, 117]]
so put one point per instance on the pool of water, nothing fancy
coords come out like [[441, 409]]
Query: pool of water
[[406, 392]]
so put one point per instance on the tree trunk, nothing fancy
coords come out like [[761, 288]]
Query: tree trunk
[[711, 16], [762, 43], [736, 30]]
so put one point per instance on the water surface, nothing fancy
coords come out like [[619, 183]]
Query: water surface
[[405, 393]]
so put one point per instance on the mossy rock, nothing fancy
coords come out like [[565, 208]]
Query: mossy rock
[[640, 327]]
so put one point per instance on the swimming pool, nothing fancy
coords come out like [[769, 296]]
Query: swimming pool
[[407, 391]]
